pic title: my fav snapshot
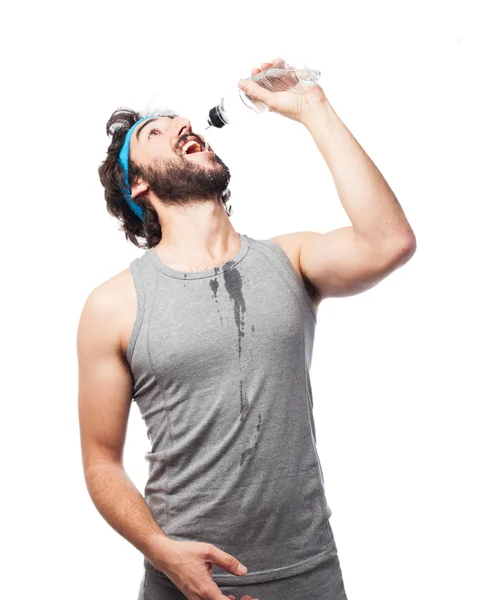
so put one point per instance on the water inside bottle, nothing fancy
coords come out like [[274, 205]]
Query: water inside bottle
[[280, 77]]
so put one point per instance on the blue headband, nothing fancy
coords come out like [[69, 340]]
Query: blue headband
[[123, 160]]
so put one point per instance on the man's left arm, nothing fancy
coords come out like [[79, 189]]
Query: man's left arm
[[352, 259]]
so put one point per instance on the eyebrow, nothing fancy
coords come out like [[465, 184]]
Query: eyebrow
[[138, 131]]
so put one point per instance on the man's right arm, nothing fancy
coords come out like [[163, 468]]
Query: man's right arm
[[104, 401]]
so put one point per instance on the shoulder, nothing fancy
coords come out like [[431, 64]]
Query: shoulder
[[291, 243], [108, 306], [112, 292]]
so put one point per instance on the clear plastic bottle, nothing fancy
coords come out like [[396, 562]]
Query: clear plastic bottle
[[280, 77]]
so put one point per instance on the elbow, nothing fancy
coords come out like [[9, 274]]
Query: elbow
[[409, 245], [404, 249]]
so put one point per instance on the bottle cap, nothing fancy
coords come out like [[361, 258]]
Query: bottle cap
[[215, 118]]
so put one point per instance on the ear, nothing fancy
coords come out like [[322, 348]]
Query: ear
[[138, 188]]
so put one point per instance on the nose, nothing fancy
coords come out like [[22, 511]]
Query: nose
[[183, 126]]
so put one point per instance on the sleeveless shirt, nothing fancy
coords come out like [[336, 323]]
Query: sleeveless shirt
[[220, 360]]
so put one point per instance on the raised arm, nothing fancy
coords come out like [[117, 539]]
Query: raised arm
[[351, 259]]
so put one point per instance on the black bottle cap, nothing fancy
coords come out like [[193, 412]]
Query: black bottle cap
[[215, 118]]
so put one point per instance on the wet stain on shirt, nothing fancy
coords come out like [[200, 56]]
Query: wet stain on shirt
[[234, 287], [214, 285], [251, 449], [244, 402]]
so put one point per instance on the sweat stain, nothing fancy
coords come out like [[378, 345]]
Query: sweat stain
[[251, 449], [234, 287], [244, 402], [214, 285]]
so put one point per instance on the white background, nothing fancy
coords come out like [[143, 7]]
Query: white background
[[395, 368]]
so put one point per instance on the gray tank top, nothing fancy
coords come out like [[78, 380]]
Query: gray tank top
[[220, 361]]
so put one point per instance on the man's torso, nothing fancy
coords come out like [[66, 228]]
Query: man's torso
[[123, 289]]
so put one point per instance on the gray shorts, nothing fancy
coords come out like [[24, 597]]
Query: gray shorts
[[322, 582]]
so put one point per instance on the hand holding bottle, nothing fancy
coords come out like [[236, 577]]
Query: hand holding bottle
[[280, 88], [188, 565]]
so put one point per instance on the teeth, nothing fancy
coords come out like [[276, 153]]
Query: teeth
[[189, 145]]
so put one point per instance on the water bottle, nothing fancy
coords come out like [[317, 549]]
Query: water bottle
[[280, 77]]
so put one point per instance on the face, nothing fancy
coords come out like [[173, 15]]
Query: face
[[177, 165]]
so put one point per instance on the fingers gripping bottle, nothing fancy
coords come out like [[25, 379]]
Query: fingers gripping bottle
[[278, 78]]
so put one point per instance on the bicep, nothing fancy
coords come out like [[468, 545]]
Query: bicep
[[340, 263], [104, 383]]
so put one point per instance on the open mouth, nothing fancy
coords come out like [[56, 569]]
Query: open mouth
[[193, 146]]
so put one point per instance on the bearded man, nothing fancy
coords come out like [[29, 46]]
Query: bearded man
[[211, 332]]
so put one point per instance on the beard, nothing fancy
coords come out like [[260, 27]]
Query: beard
[[180, 181]]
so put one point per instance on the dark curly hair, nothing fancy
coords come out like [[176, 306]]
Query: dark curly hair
[[111, 177]]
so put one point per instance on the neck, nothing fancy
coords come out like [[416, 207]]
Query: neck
[[198, 236]]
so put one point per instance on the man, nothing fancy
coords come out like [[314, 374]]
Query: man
[[211, 332]]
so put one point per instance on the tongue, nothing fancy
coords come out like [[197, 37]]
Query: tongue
[[193, 149]]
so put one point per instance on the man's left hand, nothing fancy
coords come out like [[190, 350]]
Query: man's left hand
[[292, 104]]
